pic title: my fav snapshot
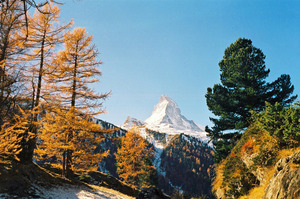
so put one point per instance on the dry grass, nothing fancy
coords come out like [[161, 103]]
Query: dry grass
[[21, 181], [217, 183], [259, 192], [259, 143], [287, 152], [236, 173], [294, 166]]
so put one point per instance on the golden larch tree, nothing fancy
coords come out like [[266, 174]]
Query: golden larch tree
[[12, 135], [76, 67], [134, 161], [12, 49], [43, 34]]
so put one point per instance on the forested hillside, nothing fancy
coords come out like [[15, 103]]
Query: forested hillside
[[183, 153], [194, 161]]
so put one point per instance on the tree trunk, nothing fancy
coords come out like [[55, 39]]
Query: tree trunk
[[64, 164], [28, 146], [69, 171]]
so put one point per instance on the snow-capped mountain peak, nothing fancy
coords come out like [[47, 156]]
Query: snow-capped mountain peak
[[166, 118], [167, 113]]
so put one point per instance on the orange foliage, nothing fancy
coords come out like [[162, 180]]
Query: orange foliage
[[248, 147], [232, 154], [13, 134], [132, 156], [45, 32], [63, 131], [75, 68]]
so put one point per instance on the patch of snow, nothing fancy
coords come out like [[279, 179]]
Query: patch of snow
[[158, 148], [74, 192], [179, 189], [184, 137], [167, 118], [157, 161]]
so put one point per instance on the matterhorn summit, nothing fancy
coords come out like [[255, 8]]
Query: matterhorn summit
[[166, 118]]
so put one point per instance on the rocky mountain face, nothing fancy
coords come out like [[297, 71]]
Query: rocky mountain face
[[183, 158], [286, 180]]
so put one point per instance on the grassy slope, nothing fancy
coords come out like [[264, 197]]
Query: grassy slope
[[260, 151]]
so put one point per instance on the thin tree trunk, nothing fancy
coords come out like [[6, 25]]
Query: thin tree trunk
[[74, 83], [39, 86], [69, 152]]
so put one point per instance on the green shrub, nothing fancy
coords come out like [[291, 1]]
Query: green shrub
[[282, 122]]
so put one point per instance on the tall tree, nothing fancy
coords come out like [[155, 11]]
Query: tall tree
[[45, 33], [12, 67], [243, 88], [134, 161], [76, 68]]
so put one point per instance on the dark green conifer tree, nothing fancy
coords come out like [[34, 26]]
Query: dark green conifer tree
[[242, 88]]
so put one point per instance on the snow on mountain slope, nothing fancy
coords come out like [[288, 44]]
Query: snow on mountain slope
[[132, 122], [167, 129], [166, 118]]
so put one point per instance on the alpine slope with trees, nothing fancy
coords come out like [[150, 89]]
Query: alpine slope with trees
[[243, 88], [256, 131], [50, 141], [265, 161], [170, 153], [47, 105], [180, 145]]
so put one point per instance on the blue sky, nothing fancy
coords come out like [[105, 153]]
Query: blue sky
[[173, 47]]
